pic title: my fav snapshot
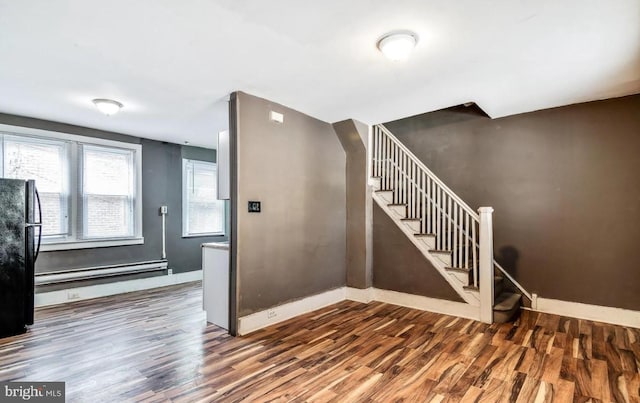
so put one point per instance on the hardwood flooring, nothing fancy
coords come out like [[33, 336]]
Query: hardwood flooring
[[153, 346]]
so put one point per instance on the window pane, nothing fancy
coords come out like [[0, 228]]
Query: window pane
[[52, 220], [107, 216], [108, 177], [205, 217], [204, 214], [204, 184], [44, 161], [107, 172]]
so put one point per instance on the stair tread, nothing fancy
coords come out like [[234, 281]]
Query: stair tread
[[506, 301], [439, 251], [424, 234], [460, 269], [383, 190], [411, 219], [496, 279], [396, 205]]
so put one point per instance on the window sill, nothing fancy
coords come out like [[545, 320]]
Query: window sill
[[203, 235], [49, 247]]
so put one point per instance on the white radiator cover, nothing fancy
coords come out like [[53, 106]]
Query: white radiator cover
[[89, 273]]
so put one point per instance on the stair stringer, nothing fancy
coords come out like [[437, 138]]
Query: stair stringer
[[472, 297]]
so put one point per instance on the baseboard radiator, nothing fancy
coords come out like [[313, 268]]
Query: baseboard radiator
[[92, 273]]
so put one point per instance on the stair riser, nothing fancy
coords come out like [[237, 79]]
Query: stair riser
[[445, 259], [430, 242], [498, 287], [463, 278], [386, 196], [399, 211], [412, 225]]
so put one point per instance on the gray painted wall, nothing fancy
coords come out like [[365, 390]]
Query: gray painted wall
[[296, 246], [356, 187], [564, 185], [161, 185]]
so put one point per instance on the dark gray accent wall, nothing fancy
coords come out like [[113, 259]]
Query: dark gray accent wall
[[161, 185], [564, 185], [295, 247], [198, 153], [399, 266], [356, 188]]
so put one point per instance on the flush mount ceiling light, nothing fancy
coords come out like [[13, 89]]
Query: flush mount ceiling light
[[107, 106], [397, 45]]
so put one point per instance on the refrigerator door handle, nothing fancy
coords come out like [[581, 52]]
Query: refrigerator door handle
[[39, 224]]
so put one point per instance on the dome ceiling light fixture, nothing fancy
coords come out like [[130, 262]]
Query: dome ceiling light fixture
[[107, 106], [397, 45]]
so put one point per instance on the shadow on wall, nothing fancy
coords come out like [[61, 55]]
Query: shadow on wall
[[508, 259]]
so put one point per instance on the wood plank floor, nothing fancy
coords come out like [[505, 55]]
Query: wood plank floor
[[153, 346]]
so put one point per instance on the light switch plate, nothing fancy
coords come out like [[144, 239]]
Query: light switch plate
[[276, 117], [254, 206]]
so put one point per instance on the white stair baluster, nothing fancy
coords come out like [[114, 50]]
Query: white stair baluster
[[433, 207], [376, 145], [454, 256], [460, 228], [449, 222], [475, 259], [466, 244], [438, 219]]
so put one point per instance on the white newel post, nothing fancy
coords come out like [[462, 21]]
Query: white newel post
[[486, 264]]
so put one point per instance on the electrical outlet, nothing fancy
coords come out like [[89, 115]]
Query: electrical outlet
[[271, 313], [73, 295]]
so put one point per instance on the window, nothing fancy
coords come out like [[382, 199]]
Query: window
[[45, 161], [202, 213], [89, 188], [107, 192]]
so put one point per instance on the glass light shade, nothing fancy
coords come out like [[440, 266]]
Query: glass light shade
[[397, 46], [107, 106]]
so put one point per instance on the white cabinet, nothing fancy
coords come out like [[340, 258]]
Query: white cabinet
[[215, 282]]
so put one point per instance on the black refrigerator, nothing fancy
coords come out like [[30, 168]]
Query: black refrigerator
[[20, 236]]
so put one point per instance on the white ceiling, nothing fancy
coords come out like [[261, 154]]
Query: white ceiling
[[173, 63]]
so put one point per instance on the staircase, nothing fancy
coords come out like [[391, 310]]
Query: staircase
[[453, 237]]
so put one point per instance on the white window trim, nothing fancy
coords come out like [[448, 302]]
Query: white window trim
[[49, 247], [81, 187], [76, 242], [185, 218]]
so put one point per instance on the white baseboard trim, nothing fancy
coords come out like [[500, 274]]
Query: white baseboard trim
[[259, 320], [280, 313], [120, 287], [606, 314], [436, 305], [359, 295]]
